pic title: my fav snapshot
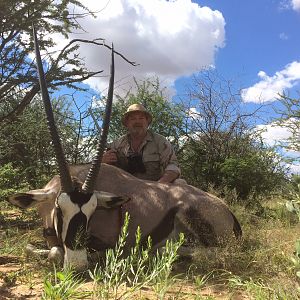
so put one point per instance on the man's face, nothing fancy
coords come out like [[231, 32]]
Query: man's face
[[137, 123]]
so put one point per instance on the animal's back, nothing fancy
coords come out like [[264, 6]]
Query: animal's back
[[203, 215]]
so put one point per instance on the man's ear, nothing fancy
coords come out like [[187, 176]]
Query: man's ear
[[108, 200], [32, 198]]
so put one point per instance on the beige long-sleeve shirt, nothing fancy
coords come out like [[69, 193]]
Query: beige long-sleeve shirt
[[155, 156]]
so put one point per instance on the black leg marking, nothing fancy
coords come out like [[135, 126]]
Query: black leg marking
[[202, 230], [163, 229], [237, 229], [59, 220], [117, 200], [97, 244]]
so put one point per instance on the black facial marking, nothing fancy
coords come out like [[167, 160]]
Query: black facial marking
[[76, 237], [24, 200], [59, 218], [79, 197]]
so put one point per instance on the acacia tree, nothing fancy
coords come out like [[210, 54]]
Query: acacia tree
[[221, 147], [18, 79], [25, 142], [290, 119]]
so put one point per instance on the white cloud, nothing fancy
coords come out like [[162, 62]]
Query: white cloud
[[194, 113], [296, 5], [294, 168], [289, 4], [168, 39], [268, 87], [273, 134], [283, 36]]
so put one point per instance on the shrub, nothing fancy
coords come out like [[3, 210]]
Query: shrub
[[11, 180]]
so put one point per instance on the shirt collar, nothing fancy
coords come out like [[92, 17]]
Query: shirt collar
[[148, 138]]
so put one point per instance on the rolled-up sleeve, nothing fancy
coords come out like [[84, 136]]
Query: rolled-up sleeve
[[168, 158]]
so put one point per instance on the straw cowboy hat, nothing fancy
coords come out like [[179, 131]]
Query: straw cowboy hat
[[134, 108]]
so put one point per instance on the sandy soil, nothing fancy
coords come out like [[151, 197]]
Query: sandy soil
[[17, 287]]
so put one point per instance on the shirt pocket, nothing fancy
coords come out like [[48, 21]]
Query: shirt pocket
[[152, 164]]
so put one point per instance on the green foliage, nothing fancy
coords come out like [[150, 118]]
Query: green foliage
[[257, 288], [245, 166], [11, 180], [65, 285], [221, 148], [25, 145], [290, 119], [251, 174], [137, 270]]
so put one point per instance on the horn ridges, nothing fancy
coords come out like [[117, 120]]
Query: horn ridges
[[96, 163], [65, 176]]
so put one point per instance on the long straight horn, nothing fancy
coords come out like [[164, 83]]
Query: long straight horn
[[65, 176], [91, 178]]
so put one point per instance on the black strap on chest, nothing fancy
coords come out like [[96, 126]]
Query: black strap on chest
[[136, 164]]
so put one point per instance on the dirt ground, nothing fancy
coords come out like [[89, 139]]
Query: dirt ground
[[20, 276], [13, 285]]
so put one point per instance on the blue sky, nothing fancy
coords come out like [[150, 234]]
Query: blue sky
[[256, 41], [260, 35]]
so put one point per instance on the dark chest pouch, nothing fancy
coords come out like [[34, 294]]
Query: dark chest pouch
[[135, 164]]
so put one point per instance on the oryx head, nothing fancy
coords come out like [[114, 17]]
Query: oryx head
[[76, 202]]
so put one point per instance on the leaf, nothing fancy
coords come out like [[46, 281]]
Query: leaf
[[297, 246], [290, 207]]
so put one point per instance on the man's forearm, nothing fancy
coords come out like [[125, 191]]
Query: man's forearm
[[168, 177]]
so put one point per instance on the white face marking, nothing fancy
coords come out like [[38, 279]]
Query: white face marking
[[69, 210], [89, 208], [75, 258]]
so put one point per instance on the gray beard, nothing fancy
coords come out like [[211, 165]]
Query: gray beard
[[138, 132]]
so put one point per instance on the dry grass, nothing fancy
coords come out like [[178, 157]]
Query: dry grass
[[258, 267]]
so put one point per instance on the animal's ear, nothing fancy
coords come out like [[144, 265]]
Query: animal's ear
[[108, 200], [32, 198]]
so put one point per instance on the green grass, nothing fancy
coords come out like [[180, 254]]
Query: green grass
[[265, 264]]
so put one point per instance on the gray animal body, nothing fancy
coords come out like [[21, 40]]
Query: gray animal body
[[159, 209]]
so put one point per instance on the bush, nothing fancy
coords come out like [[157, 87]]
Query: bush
[[11, 181], [251, 174]]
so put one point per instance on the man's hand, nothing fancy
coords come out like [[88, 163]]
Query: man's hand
[[109, 157], [168, 177]]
